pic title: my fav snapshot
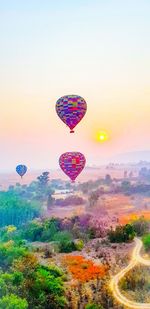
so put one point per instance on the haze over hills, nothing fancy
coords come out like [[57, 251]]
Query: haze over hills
[[92, 171], [131, 157]]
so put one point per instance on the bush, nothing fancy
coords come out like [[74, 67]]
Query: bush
[[13, 302], [33, 231], [67, 246], [141, 226], [122, 233], [63, 236], [93, 306], [65, 242], [146, 241], [79, 244], [9, 252]]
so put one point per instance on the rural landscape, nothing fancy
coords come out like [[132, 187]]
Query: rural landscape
[[62, 244]]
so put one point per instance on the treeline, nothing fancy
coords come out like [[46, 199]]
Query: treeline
[[16, 211], [80, 227], [127, 232], [67, 235]]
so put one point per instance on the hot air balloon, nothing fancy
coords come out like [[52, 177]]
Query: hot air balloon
[[71, 109], [21, 170], [72, 164]]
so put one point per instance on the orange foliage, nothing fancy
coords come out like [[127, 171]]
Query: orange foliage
[[134, 216], [82, 269]]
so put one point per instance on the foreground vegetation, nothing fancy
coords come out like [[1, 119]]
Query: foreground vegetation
[[26, 283], [136, 284]]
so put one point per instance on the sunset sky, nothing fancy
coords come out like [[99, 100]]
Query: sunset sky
[[99, 49]]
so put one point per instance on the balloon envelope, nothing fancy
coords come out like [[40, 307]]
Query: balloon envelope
[[71, 109], [21, 170], [72, 163]]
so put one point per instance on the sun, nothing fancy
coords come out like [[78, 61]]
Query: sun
[[102, 136]]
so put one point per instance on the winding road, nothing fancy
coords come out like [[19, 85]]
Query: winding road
[[114, 284]]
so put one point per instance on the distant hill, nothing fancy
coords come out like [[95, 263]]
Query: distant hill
[[132, 157]]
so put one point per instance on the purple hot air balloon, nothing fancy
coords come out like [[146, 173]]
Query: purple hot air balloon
[[71, 109], [72, 164]]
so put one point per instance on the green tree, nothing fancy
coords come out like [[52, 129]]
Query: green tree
[[122, 233], [9, 283], [13, 302], [33, 231], [65, 242], [42, 286], [9, 252], [146, 241], [16, 211], [141, 226]]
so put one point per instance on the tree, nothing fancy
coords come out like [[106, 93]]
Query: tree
[[33, 231], [9, 252], [50, 200], [141, 226], [125, 185], [44, 189], [42, 286], [65, 241], [93, 199], [146, 241], [13, 302], [43, 179], [122, 233], [108, 180], [16, 211]]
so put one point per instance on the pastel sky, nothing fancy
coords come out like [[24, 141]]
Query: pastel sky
[[99, 49]]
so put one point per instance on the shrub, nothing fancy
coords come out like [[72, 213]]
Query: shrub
[[141, 226], [93, 306], [146, 241], [67, 246], [82, 269], [79, 244], [13, 302], [122, 233]]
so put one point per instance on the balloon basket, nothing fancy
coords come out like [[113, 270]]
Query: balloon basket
[[71, 131]]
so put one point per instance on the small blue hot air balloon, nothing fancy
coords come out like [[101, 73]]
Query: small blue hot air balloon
[[21, 170]]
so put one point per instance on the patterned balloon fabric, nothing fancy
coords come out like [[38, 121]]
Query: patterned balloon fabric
[[72, 163], [71, 109], [21, 170]]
